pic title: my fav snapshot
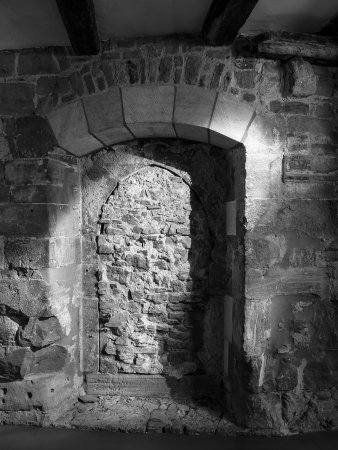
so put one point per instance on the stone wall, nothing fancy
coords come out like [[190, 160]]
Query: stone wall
[[155, 246], [40, 285], [289, 362]]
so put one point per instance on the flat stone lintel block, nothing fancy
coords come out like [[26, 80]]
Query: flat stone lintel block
[[148, 104], [70, 128], [105, 117], [192, 132], [231, 118], [152, 385], [193, 111], [152, 129], [220, 140]]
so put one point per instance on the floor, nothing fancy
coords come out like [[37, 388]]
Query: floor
[[24, 438]]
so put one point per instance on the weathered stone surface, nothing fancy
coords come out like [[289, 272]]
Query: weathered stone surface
[[36, 62], [289, 107], [312, 125], [40, 253], [8, 330], [299, 78], [230, 118], [37, 220], [192, 113], [147, 415], [148, 110], [34, 137], [88, 398], [49, 359], [40, 332], [193, 64], [105, 117], [18, 294], [15, 363], [70, 128], [16, 98], [245, 79], [7, 62], [157, 265]]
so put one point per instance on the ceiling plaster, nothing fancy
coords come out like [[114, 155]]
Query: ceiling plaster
[[37, 23]]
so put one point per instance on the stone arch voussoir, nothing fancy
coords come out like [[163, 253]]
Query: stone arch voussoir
[[127, 113]]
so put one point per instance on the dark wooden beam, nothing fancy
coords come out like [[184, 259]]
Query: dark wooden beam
[[79, 19], [225, 18], [284, 45], [331, 29]]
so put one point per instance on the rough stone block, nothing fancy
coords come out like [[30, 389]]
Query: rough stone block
[[40, 332], [18, 294], [15, 363], [245, 79], [23, 172], [35, 62], [105, 117], [165, 68], [40, 172], [289, 107], [38, 220], [325, 82], [39, 194], [299, 78], [46, 85], [53, 358], [4, 193], [7, 64], [16, 98], [193, 65], [8, 330], [312, 125], [30, 253], [318, 376], [70, 128], [34, 137], [4, 148]]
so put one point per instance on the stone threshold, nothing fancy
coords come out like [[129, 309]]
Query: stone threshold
[[144, 415], [187, 387]]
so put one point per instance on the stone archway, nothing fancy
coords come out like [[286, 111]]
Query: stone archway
[[140, 112], [123, 114]]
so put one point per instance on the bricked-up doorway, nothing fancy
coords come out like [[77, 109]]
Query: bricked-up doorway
[[163, 274]]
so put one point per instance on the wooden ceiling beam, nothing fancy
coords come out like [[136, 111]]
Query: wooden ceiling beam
[[283, 45], [225, 18], [79, 19]]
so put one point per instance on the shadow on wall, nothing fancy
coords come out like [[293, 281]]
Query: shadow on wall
[[168, 264]]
